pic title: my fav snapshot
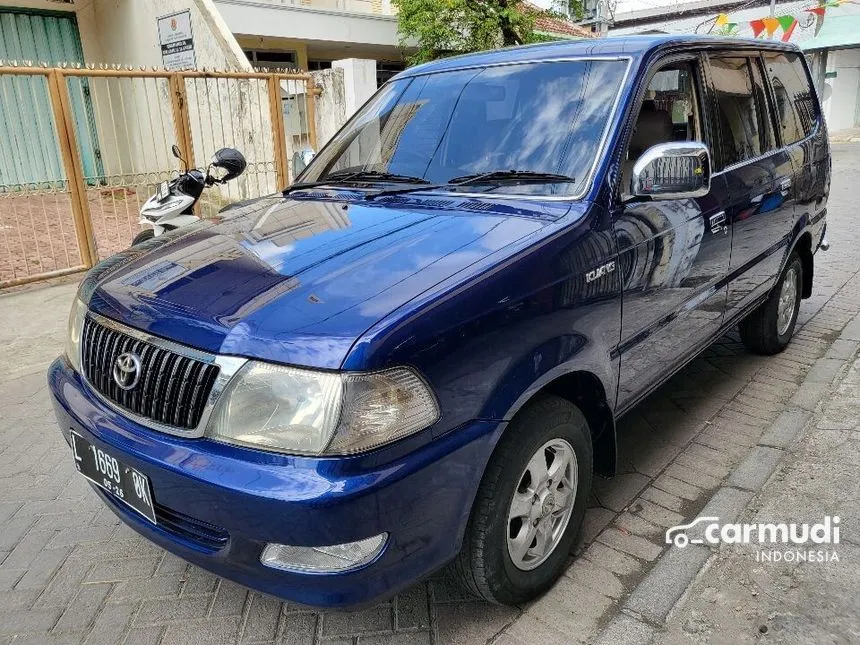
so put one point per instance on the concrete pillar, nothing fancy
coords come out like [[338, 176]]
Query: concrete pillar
[[331, 109], [359, 81]]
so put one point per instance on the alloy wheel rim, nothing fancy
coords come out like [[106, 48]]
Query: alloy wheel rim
[[542, 504], [787, 301]]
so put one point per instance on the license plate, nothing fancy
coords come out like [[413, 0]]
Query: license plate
[[126, 484], [163, 191]]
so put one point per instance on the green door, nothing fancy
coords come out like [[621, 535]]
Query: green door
[[28, 143]]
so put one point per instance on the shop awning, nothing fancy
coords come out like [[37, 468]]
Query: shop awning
[[836, 32]]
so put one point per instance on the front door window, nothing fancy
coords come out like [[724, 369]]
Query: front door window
[[669, 112]]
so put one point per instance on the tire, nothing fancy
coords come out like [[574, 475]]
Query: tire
[[766, 330], [143, 236], [485, 565]]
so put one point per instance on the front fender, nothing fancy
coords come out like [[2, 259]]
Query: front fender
[[489, 343], [548, 362]]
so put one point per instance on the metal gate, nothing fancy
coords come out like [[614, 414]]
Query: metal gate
[[68, 219]]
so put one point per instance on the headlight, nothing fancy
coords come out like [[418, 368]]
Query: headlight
[[73, 337], [292, 410]]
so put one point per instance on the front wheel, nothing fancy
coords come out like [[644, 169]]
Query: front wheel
[[530, 504], [768, 329], [145, 234]]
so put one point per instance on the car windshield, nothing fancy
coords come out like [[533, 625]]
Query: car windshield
[[532, 129]]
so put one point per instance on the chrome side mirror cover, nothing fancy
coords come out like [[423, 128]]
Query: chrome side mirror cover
[[674, 170]]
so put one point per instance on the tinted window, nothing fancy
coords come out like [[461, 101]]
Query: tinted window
[[744, 131], [539, 117], [669, 112], [671, 90], [795, 104]]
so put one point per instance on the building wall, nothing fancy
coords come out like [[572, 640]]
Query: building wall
[[331, 111], [124, 32], [267, 18], [277, 44], [841, 92], [133, 121], [345, 88], [127, 33]]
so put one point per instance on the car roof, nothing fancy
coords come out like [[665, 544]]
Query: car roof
[[618, 46]]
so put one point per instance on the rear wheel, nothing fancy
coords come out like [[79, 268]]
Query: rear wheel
[[768, 329], [530, 504]]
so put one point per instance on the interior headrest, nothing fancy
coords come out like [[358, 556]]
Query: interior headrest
[[652, 127]]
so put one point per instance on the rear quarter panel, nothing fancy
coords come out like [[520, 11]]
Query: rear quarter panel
[[812, 171]]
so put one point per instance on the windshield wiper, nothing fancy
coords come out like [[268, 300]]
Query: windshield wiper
[[376, 175], [516, 175], [489, 177], [478, 178], [357, 176], [400, 191]]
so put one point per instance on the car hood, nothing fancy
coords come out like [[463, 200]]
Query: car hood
[[298, 280]]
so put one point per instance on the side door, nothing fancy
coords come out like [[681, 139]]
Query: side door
[[673, 253], [757, 175]]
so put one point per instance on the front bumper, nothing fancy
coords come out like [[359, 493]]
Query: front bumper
[[218, 506]]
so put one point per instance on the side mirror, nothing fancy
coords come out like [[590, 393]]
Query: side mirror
[[301, 159], [178, 154], [672, 171]]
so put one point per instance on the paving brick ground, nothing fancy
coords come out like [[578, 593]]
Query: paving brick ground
[[742, 597], [70, 573]]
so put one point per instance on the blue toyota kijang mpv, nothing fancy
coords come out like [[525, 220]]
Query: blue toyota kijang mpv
[[415, 355]]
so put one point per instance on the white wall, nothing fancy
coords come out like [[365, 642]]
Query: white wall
[[139, 140], [331, 111], [345, 88], [124, 32], [306, 23], [841, 93], [127, 33]]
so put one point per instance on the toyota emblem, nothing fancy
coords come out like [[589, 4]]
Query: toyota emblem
[[126, 370]]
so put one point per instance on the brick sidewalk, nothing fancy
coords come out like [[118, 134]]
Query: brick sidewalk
[[741, 597], [70, 573]]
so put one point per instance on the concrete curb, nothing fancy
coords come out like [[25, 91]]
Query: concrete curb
[[628, 630], [786, 428], [646, 609], [756, 469]]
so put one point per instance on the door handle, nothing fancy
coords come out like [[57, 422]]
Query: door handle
[[718, 223]]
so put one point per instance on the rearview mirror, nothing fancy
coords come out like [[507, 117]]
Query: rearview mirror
[[673, 170]]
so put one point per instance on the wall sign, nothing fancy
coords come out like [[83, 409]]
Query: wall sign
[[176, 40]]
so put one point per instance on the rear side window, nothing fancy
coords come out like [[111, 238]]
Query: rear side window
[[795, 104], [741, 110]]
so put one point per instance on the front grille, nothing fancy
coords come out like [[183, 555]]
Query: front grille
[[208, 536], [172, 389]]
